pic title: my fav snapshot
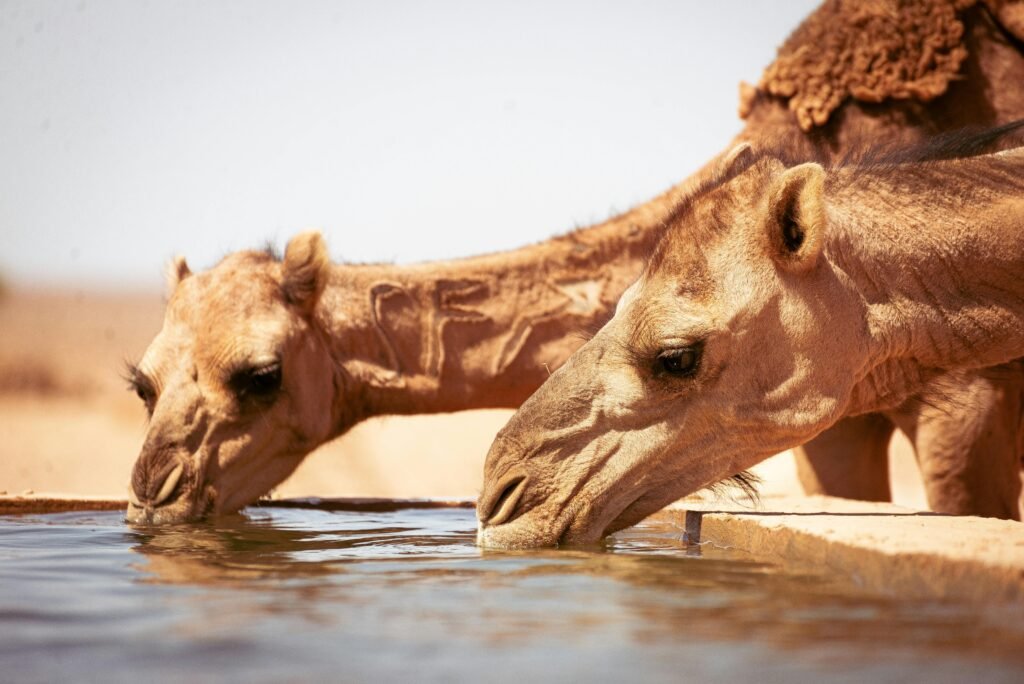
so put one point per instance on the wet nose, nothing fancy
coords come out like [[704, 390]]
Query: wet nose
[[151, 487], [501, 506]]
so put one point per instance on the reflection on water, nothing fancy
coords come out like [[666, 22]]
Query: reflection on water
[[311, 594]]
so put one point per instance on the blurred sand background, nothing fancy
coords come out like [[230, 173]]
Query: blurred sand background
[[68, 424]]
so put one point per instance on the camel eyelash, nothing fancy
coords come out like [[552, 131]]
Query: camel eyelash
[[138, 382]]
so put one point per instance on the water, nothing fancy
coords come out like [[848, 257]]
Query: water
[[285, 594]]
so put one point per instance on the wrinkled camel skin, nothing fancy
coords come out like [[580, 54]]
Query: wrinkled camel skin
[[781, 299], [261, 360]]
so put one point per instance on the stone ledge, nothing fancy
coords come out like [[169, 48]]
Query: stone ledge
[[880, 547], [47, 502], [57, 503]]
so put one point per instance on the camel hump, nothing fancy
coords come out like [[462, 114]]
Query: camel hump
[[870, 51]]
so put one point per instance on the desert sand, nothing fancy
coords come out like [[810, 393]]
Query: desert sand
[[69, 425]]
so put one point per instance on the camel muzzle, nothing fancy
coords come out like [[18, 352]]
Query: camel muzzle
[[160, 498]]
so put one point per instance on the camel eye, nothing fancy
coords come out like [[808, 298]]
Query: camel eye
[[259, 382], [141, 386], [682, 362], [145, 393]]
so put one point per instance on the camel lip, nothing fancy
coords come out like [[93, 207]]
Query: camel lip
[[509, 536], [149, 515], [580, 525], [186, 506]]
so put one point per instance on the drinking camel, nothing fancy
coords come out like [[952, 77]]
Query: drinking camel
[[783, 297], [262, 359]]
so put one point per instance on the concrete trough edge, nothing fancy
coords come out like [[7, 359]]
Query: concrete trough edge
[[882, 548], [56, 503], [39, 503]]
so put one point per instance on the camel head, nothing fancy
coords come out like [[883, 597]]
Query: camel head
[[738, 340], [239, 383]]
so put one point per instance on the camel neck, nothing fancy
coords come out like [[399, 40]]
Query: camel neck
[[481, 332], [936, 255]]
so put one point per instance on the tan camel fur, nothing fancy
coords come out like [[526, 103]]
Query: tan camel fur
[[781, 299], [260, 360]]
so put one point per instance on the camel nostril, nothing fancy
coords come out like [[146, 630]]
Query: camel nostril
[[170, 484], [140, 491], [505, 505]]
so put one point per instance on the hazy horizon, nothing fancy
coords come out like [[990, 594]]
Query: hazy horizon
[[133, 131]]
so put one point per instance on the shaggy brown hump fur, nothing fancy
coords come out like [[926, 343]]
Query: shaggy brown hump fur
[[870, 50]]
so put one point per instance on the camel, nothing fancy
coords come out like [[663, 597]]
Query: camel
[[783, 297], [262, 358]]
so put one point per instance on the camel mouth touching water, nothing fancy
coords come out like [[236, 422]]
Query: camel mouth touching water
[[780, 299], [261, 359], [234, 384]]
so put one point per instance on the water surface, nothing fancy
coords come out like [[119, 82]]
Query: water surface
[[303, 595]]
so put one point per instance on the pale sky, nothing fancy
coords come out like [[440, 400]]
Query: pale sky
[[131, 131]]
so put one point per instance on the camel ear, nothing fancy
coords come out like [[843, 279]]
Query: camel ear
[[176, 271], [796, 217], [305, 269], [740, 154]]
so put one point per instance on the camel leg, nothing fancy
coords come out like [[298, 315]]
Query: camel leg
[[850, 459], [966, 432]]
